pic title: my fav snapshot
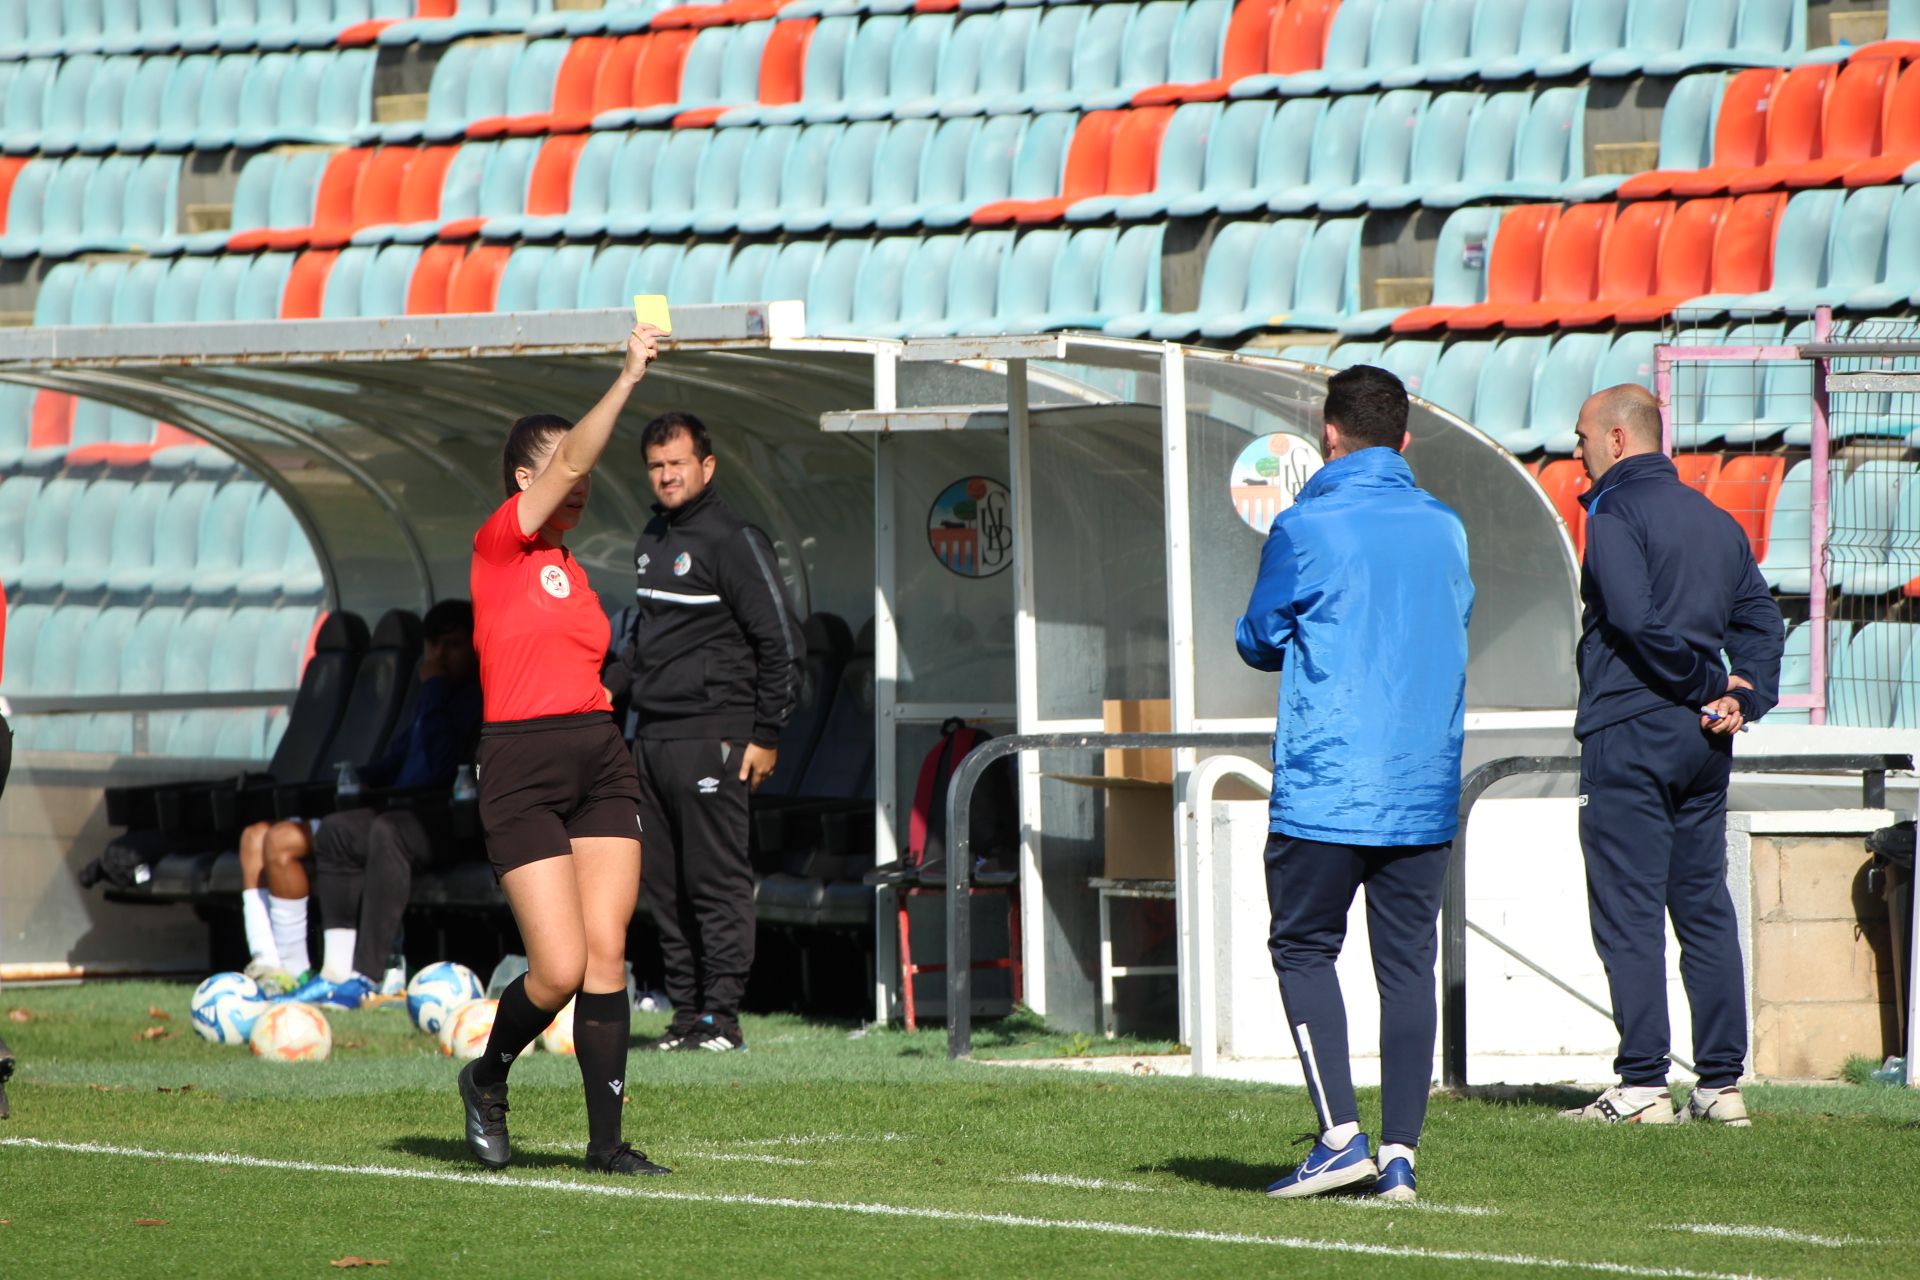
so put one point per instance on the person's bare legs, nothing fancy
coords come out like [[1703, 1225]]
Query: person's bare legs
[[284, 849], [255, 916]]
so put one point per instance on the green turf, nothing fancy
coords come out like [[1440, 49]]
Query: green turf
[[823, 1114]]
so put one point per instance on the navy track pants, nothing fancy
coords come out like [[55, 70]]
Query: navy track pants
[[1310, 888], [1653, 795]]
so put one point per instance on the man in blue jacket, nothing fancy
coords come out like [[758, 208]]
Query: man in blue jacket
[[1362, 605], [1669, 583]]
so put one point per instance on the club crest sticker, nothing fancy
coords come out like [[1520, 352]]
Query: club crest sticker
[[1268, 474], [554, 580], [970, 528], [682, 563]]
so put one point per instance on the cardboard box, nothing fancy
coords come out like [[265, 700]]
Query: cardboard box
[[1141, 715], [1139, 829]]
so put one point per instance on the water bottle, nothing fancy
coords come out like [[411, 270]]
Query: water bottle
[[346, 782], [466, 788]]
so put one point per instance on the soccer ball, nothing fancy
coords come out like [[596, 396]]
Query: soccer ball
[[437, 990], [558, 1037], [292, 1032], [226, 1006], [465, 1034]]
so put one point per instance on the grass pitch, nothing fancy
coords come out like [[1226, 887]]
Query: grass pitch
[[821, 1153]]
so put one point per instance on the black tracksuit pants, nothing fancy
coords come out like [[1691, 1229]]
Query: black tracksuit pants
[[364, 862], [695, 873], [1310, 888], [1653, 795]]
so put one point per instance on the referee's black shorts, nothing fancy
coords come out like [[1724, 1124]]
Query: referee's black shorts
[[548, 781]]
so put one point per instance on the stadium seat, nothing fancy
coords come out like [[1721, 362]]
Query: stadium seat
[[972, 289], [1243, 53], [1503, 401], [1223, 281], [104, 109], [1491, 141], [1745, 488], [1653, 28], [1629, 257], [216, 296], [135, 521], [292, 205], [830, 294], [1540, 39], [17, 499], [1794, 126], [1569, 272], [26, 104], [176, 535], [260, 294], [1900, 267], [1711, 128], [1564, 480], [1798, 260], [1900, 144], [1309, 39], [1862, 678], [1272, 276], [1785, 564], [1280, 166], [1684, 267], [1333, 156], [548, 194], [89, 534], [1232, 153], [1512, 273], [1565, 378], [44, 545], [1493, 39], [1852, 128], [1858, 260]]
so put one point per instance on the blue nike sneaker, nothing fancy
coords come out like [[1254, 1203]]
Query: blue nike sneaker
[[353, 993], [1396, 1180], [1326, 1169]]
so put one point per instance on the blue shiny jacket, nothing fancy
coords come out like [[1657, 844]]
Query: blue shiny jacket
[[1362, 605]]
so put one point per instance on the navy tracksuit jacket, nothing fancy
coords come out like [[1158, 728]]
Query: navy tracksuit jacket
[[1668, 585]]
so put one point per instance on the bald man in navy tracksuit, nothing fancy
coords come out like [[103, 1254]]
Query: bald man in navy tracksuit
[[1668, 585], [1362, 605]]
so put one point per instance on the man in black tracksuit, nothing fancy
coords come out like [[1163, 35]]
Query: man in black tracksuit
[[1668, 584], [713, 664]]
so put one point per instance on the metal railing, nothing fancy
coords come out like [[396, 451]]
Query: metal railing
[[960, 840], [1873, 770]]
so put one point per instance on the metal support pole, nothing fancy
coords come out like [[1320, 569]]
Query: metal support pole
[[1820, 518]]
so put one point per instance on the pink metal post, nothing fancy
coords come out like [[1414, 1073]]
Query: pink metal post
[[1817, 553], [1663, 392]]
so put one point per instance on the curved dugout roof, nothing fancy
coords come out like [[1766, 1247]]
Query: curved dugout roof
[[383, 436]]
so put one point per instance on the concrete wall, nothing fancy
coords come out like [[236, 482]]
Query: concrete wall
[[1823, 986]]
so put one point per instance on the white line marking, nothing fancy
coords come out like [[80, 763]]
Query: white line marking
[[1419, 1206], [1087, 1184], [1768, 1233], [809, 1139], [633, 1192]]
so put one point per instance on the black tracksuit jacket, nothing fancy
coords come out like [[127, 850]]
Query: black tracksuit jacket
[[1668, 583], [714, 650]]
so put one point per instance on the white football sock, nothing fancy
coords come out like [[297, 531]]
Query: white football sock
[[289, 917], [336, 954], [1396, 1151], [1337, 1138], [260, 944]]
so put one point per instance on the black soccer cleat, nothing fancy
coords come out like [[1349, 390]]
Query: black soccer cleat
[[486, 1120], [6, 1074], [623, 1159]]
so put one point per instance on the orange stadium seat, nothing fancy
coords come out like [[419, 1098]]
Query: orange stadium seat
[[1298, 40], [307, 284], [477, 279], [1793, 128], [1697, 471], [550, 188], [1685, 267], [1900, 149], [1853, 128], [572, 91], [1629, 262], [427, 290], [1564, 480], [1746, 489], [1513, 273], [332, 205], [783, 61], [613, 82], [1569, 268], [1088, 157], [376, 201]]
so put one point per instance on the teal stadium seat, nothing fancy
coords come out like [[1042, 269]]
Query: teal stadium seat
[[43, 557], [1861, 684], [1494, 39], [1503, 404], [1273, 273], [221, 539], [1386, 151], [177, 537], [136, 522], [697, 274], [90, 535], [923, 295], [1179, 172], [1595, 28], [1286, 148], [1006, 153], [383, 290], [830, 294], [1540, 37], [1491, 141], [1348, 38]]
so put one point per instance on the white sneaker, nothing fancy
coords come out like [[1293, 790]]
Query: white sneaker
[[1720, 1106], [1626, 1104]]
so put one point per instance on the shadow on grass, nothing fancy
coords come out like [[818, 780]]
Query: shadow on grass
[[454, 1151], [1217, 1171], [1542, 1097]]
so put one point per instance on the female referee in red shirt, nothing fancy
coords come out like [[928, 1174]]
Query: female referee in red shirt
[[559, 798]]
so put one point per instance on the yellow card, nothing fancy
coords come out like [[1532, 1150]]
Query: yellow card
[[651, 308]]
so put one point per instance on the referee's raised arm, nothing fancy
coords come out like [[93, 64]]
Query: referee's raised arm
[[580, 449]]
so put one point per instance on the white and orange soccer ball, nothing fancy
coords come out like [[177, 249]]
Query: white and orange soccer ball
[[292, 1032], [558, 1037], [465, 1034]]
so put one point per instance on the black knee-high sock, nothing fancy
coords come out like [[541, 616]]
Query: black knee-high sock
[[600, 1042], [515, 1024]]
